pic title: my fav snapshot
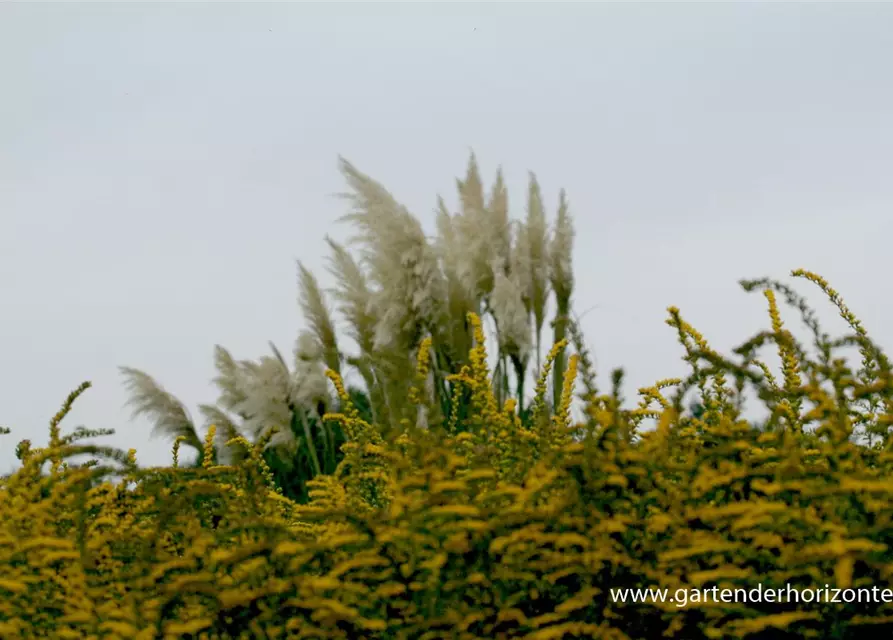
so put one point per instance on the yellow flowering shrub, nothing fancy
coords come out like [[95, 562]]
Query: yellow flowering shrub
[[484, 526]]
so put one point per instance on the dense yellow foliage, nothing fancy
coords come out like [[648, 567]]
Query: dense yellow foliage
[[487, 528]]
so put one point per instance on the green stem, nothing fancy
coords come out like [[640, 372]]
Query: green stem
[[519, 382], [314, 459]]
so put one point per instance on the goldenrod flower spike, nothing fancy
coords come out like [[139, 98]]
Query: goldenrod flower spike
[[539, 401], [789, 365], [418, 391], [176, 450], [483, 402], [563, 411], [208, 451]]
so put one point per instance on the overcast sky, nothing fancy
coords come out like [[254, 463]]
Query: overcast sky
[[162, 167]]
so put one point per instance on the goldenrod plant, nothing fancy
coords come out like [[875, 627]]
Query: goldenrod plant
[[492, 527]]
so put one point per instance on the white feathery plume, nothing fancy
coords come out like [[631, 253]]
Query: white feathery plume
[[266, 401], [353, 294], [316, 312], [537, 248], [511, 316], [404, 267], [169, 416], [452, 251], [562, 280], [483, 231], [471, 190], [499, 221], [471, 224], [519, 265], [447, 241], [307, 347], [310, 385], [229, 379], [536, 231], [561, 250], [459, 300]]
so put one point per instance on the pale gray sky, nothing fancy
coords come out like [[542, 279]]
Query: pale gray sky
[[162, 166]]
